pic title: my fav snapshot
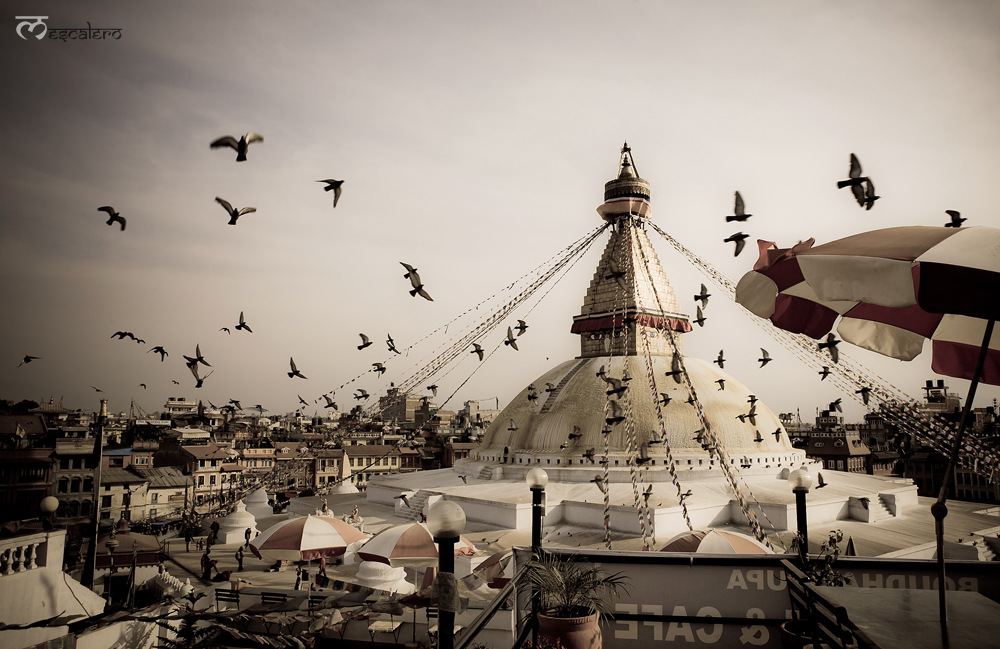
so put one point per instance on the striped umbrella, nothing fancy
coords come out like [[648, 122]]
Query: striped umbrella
[[305, 538], [715, 542], [410, 545]]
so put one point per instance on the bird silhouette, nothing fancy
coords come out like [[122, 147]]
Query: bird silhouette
[[647, 493], [295, 371], [831, 344], [599, 481], [418, 287], [331, 404], [665, 398], [142, 385], [113, 216], [870, 197], [234, 214], [433, 389], [123, 334], [675, 368], [464, 479], [576, 434], [510, 339], [739, 213], [765, 358], [236, 404], [403, 498], [616, 386], [739, 239], [601, 373], [777, 434], [302, 401], [864, 392], [362, 394], [854, 180], [616, 274], [521, 327], [616, 415], [239, 146], [175, 382], [700, 320], [28, 359], [478, 350], [226, 329], [549, 387], [198, 358], [822, 483], [752, 399], [333, 185], [720, 361], [243, 325], [364, 342], [703, 296], [825, 373], [722, 384], [589, 454], [956, 219], [200, 379], [379, 367], [758, 438], [835, 405], [864, 502], [391, 343], [532, 396], [513, 426]]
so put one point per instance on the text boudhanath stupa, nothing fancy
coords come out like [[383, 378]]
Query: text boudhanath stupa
[[630, 325]]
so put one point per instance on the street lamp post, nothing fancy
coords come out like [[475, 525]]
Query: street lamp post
[[446, 520], [800, 481], [537, 479]]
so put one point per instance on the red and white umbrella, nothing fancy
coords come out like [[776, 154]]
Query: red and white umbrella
[[891, 289], [305, 538], [411, 545], [715, 542]]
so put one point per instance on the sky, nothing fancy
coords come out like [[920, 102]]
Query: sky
[[474, 140]]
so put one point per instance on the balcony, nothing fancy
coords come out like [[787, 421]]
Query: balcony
[[25, 553]]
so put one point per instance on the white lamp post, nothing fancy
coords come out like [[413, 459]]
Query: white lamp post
[[800, 481], [446, 521]]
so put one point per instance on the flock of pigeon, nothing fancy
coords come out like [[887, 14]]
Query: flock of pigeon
[[861, 186]]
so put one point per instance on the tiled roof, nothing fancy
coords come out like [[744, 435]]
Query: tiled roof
[[120, 476], [167, 476]]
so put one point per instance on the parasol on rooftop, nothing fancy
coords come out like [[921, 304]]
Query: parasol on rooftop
[[715, 542], [409, 545], [305, 538], [891, 290]]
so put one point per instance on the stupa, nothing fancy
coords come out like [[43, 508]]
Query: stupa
[[631, 329]]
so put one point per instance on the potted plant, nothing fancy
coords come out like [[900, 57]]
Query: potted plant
[[819, 570], [572, 600]]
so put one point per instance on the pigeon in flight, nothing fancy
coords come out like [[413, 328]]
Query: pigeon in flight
[[234, 214], [333, 185], [643, 458], [758, 438], [295, 371], [870, 196], [602, 373], [835, 406], [720, 361], [752, 399], [521, 327], [864, 502], [722, 384], [418, 287], [739, 239], [175, 382], [226, 329], [28, 359], [478, 350], [647, 493], [777, 434], [113, 216], [864, 392], [822, 483], [200, 379], [302, 401], [379, 367], [854, 180], [616, 415], [243, 325], [616, 274], [241, 146], [616, 386], [97, 389], [685, 495], [700, 320], [362, 394], [465, 479], [236, 404], [956, 219], [825, 373], [765, 358], [433, 389], [122, 334], [364, 342], [739, 211], [142, 385], [330, 403], [664, 398], [513, 426], [403, 498], [703, 296], [549, 387], [599, 481], [510, 339], [675, 370], [576, 434], [391, 343], [589, 454], [198, 358], [831, 344]]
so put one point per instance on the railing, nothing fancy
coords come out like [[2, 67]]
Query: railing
[[827, 622], [473, 628], [23, 553]]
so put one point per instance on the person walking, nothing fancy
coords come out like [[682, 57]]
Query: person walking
[[187, 540], [239, 558], [207, 564], [246, 535]]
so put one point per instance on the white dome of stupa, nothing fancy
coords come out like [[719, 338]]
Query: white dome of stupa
[[234, 526], [257, 505]]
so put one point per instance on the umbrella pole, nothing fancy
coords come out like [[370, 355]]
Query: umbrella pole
[[939, 509]]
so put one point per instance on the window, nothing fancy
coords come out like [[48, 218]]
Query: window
[[75, 485], [211, 479], [88, 485], [201, 481], [152, 513], [64, 463], [105, 501], [155, 499], [107, 487], [116, 462], [63, 486], [201, 464]]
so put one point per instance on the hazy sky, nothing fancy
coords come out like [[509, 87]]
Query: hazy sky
[[475, 140]]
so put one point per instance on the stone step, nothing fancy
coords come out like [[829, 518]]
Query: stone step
[[416, 508], [562, 384], [486, 473]]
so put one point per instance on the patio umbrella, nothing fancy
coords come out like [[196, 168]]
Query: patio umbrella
[[408, 545], [305, 538], [892, 289], [715, 542], [494, 566], [376, 575]]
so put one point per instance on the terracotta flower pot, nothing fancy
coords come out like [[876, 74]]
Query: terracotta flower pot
[[573, 632], [797, 634]]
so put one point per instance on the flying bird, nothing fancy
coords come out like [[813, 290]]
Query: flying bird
[[825, 373], [364, 342], [675, 369], [616, 415], [576, 434], [616, 386], [240, 146], [234, 214], [700, 320], [739, 211], [765, 357], [379, 367], [589, 454], [647, 493], [198, 358], [331, 404], [616, 274], [333, 185], [142, 385], [549, 387], [685, 495], [864, 502], [295, 371], [777, 434], [361, 394], [703, 296], [870, 197], [758, 438], [664, 398], [864, 391], [122, 334], [720, 361], [822, 483], [243, 325], [200, 379], [752, 399], [391, 343], [226, 329], [513, 426], [418, 287], [510, 339], [831, 344], [236, 404], [722, 384], [175, 382], [601, 372], [854, 181], [28, 359], [433, 389], [599, 481], [113, 216], [521, 327], [302, 401], [478, 350], [835, 406], [403, 498], [464, 479], [956, 219], [739, 239]]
